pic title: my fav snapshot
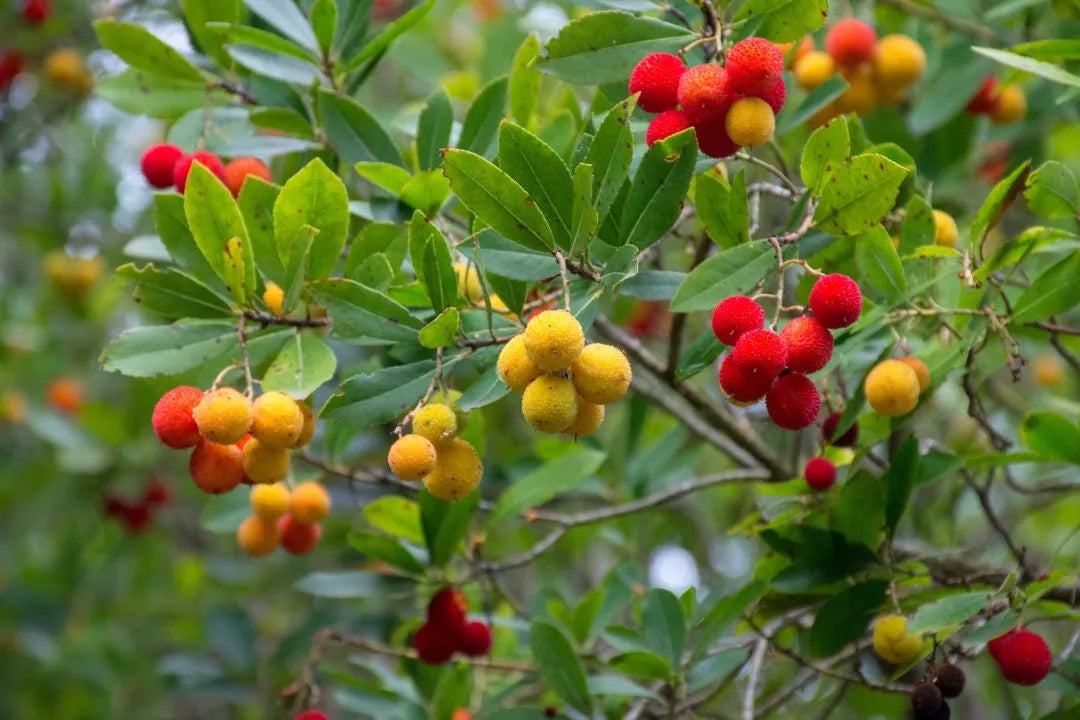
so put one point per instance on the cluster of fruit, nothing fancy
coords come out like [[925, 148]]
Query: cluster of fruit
[[291, 519], [564, 383], [165, 166], [729, 106], [774, 366], [448, 465], [448, 630], [1003, 105], [945, 682], [136, 515], [64, 67], [893, 386]]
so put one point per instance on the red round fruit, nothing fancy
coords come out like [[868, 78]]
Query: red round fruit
[[704, 93], [836, 301], [734, 316], [434, 645], [760, 353], [447, 609], [137, 518], [311, 715], [793, 402], [754, 65], [713, 139], [741, 387], [215, 468], [475, 639], [1024, 657], [156, 493], [666, 124], [820, 473], [113, 505], [985, 98], [238, 170], [809, 345], [656, 77], [298, 538], [172, 419], [828, 432], [775, 96], [183, 166], [11, 64], [851, 42], [36, 11], [995, 646], [158, 164]]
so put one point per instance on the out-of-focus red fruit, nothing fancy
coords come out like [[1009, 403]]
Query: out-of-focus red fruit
[[11, 64], [475, 639], [851, 42], [298, 538], [157, 493], [828, 430], [158, 164], [311, 715], [183, 167], [36, 11], [648, 319], [137, 518], [985, 98], [820, 473], [447, 609], [433, 644]]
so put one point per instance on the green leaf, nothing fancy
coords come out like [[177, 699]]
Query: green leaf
[[497, 200], [698, 355], [172, 294], [658, 190], [616, 686], [640, 663], [324, 23], [556, 476], [199, 13], [713, 669], [427, 190], [858, 509], [722, 208], [583, 216], [859, 194], [1052, 191], [1000, 198], [314, 196], [610, 154], [542, 174], [256, 203], [784, 20], [898, 481], [354, 132], [827, 147], [433, 130], [142, 50], [432, 263], [603, 47], [172, 227], [844, 617], [441, 331], [385, 549], [483, 117], [524, 82], [1054, 291], [396, 516], [1052, 435], [445, 524], [389, 34], [391, 178], [285, 68], [237, 34], [287, 19], [729, 272], [214, 220], [1051, 72], [373, 398], [168, 349], [947, 612], [945, 93], [816, 100], [141, 93], [664, 624], [510, 260], [361, 312], [559, 668], [879, 264], [301, 367], [341, 585], [918, 229]]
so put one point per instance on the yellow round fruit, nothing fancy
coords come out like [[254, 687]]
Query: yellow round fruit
[[223, 416], [945, 232], [822, 116], [892, 388], [468, 282], [514, 366], [601, 374], [457, 471], [445, 396], [65, 67], [750, 122], [13, 406], [553, 340], [265, 463], [550, 404], [921, 371], [1049, 372], [899, 61], [1011, 105], [889, 95], [258, 536], [436, 422], [859, 97], [269, 501], [309, 503], [892, 641], [813, 69], [411, 457], [276, 420], [590, 417], [274, 297], [308, 431]]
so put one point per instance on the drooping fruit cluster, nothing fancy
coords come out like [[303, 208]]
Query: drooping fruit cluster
[[291, 519], [1023, 656], [165, 166], [765, 364], [448, 630], [1003, 105], [449, 465], [729, 106], [892, 642], [928, 699], [893, 386], [137, 515], [565, 383]]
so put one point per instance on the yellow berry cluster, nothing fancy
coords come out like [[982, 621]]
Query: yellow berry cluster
[[291, 519], [565, 383], [448, 465], [892, 642]]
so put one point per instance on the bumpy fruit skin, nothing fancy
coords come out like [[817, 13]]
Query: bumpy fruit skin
[[921, 371], [776, 96], [754, 65], [237, 171], [828, 430], [656, 77], [601, 374], [926, 700], [750, 122], [183, 167], [813, 69], [434, 645], [447, 610], [713, 139], [258, 536], [274, 298], [411, 457], [550, 404], [793, 402], [733, 316], [264, 463], [298, 538], [945, 231], [158, 162], [892, 642], [860, 97], [270, 501], [65, 395], [949, 679], [899, 61], [309, 503], [224, 416], [836, 301], [553, 340], [760, 353], [809, 345], [514, 366], [704, 93], [851, 42], [276, 420], [1024, 657], [215, 468], [892, 388], [457, 472], [985, 98], [820, 473], [437, 422], [666, 124], [310, 423], [741, 387], [590, 417], [1011, 106], [475, 639], [173, 422]]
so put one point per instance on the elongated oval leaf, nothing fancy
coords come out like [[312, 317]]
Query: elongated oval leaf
[[1055, 291], [214, 220], [559, 666], [556, 476], [354, 132], [301, 367], [168, 349], [316, 197], [729, 272], [823, 153], [784, 20], [658, 190], [542, 174], [859, 194], [374, 398], [141, 49], [844, 617], [433, 130], [286, 17], [610, 153]]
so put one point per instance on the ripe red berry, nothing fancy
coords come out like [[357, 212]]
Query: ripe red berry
[[1023, 656], [851, 42], [985, 98], [475, 639], [809, 345], [298, 538], [704, 93], [713, 139], [172, 419], [137, 518], [158, 164], [666, 124], [742, 387], [828, 432], [183, 167], [995, 646], [760, 353], [311, 715], [734, 316], [11, 64], [447, 610], [36, 11], [156, 493], [775, 96], [820, 473], [836, 301], [434, 645], [656, 77], [793, 402], [754, 65]]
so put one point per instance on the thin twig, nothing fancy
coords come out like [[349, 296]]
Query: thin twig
[[929, 12], [769, 167], [565, 278], [266, 319], [750, 694]]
